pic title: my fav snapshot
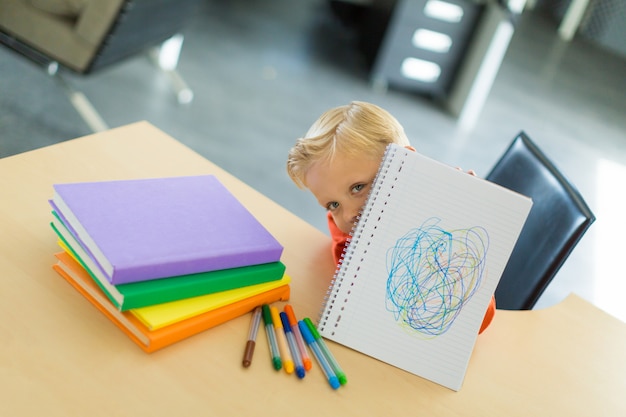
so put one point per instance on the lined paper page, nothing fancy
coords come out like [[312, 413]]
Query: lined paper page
[[423, 264]]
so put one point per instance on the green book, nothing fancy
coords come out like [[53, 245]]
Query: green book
[[157, 291]]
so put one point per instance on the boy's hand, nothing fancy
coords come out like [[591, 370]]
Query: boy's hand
[[471, 171]]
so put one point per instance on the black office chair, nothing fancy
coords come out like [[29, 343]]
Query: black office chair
[[558, 219]]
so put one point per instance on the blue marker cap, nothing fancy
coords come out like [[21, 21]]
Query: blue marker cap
[[334, 382]]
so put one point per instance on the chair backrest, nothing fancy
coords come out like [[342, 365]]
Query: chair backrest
[[142, 24], [558, 219], [93, 36]]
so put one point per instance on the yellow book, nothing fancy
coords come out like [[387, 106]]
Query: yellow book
[[161, 315]]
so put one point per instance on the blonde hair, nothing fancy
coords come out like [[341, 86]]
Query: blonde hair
[[356, 129]]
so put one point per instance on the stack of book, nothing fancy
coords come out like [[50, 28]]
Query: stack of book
[[165, 258]]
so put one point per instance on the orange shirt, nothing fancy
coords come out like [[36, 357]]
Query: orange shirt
[[339, 243]]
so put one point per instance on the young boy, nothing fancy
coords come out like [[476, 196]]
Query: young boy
[[337, 160]]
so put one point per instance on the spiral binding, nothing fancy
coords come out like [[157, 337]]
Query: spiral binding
[[355, 235]]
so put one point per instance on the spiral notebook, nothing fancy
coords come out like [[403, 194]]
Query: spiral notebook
[[422, 265]]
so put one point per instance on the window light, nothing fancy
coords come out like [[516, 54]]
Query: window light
[[420, 70], [431, 40], [442, 10]]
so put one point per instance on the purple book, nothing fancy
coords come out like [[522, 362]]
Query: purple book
[[145, 229]]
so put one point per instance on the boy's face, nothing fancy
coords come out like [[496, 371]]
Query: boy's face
[[342, 186]]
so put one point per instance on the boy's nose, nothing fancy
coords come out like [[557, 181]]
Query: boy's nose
[[350, 217]]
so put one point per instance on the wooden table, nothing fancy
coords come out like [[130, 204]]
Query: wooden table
[[59, 356]]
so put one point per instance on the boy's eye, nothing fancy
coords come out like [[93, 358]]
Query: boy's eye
[[332, 205], [358, 188]]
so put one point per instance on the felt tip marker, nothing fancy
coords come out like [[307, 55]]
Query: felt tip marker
[[251, 343], [329, 356], [283, 348], [317, 352], [293, 322], [271, 337], [293, 347]]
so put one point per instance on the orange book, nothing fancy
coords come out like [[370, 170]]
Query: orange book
[[152, 340]]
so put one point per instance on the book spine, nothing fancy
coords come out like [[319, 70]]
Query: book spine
[[329, 317]]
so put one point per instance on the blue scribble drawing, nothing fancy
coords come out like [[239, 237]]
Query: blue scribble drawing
[[432, 273]]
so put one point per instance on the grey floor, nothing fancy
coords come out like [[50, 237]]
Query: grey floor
[[262, 71]]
